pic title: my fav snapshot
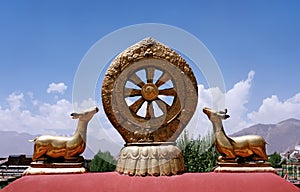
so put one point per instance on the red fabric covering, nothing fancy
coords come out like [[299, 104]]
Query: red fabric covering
[[225, 182]]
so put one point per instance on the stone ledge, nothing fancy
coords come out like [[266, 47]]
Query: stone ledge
[[55, 165], [47, 171], [244, 168]]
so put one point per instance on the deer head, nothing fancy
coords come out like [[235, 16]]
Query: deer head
[[85, 115], [214, 115]]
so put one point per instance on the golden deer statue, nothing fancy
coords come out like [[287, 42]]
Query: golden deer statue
[[235, 149], [66, 147]]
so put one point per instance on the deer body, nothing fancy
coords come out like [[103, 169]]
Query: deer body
[[67, 147], [233, 147]]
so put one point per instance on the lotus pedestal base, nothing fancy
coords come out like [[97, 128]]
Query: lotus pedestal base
[[154, 159]]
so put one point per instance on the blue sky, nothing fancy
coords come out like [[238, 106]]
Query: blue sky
[[255, 43], [44, 41]]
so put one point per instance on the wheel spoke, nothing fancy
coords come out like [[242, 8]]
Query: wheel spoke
[[137, 105], [163, 79], [150, 74], [163, 105], [168, 92], [136, 80], [128, 92], [149, 111]]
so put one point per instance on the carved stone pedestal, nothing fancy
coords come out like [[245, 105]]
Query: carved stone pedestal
[[154, 159], [244, 168], [68, 166]]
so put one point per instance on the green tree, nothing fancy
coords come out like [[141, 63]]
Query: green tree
[[103, 162], [275, 160], [199, 154]]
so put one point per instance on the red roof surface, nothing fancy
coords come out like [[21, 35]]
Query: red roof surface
[[112, 181]]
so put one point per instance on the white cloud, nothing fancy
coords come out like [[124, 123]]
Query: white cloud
[[15, 100], [236, 98], [199, 124], [23, 116], [85, 104], [57, 87], [273, 110]]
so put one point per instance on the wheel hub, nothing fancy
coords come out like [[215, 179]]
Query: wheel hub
[[149, 91]]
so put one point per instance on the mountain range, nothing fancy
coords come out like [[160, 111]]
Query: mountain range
[[280, 137], [14, 143]]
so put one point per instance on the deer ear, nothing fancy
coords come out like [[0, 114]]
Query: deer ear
[[221, 113], [227, 116], [74, 115]]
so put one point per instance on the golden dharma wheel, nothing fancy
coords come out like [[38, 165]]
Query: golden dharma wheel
[[149, 93]]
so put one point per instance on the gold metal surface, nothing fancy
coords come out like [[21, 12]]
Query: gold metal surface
[[251, 147], [66, 147], [149, 93]]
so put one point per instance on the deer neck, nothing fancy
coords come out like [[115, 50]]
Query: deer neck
[[81, 129], [221, 139]]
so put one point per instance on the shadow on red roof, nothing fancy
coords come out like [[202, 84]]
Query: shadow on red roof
[[112, 181]]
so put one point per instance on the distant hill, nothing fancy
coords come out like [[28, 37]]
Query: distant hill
[[14, 143], [280, 137]]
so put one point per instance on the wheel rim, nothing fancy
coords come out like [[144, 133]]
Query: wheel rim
[[149, 97]]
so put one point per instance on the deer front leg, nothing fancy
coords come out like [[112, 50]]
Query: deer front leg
[[260, 153], [227, 155]]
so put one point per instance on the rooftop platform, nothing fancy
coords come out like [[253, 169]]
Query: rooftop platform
[[112, 181]]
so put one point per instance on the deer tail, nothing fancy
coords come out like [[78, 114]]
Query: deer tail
[[32, 140]]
